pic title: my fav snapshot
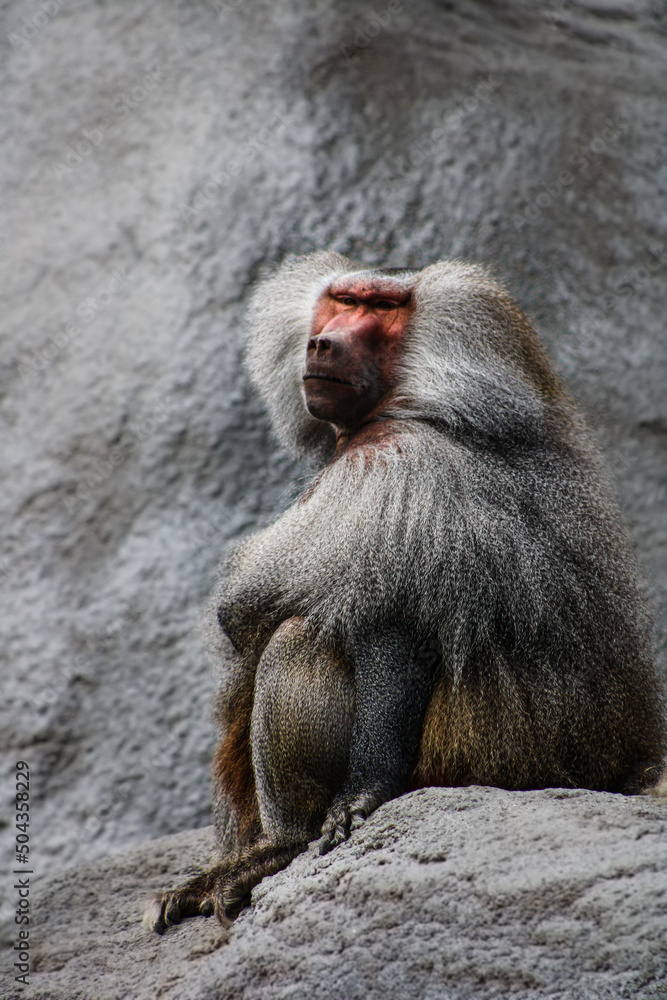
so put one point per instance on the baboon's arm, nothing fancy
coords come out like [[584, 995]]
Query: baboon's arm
[[393, 681]]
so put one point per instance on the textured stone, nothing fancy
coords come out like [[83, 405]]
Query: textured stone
[[463, 893], [157, 158]]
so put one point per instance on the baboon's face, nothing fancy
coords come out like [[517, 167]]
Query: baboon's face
[[358, 332]]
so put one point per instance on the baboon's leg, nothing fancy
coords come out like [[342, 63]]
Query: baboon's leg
[[300, 737], [300, 734], [223, 889]]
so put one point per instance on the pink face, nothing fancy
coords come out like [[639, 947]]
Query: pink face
[[357, 336]]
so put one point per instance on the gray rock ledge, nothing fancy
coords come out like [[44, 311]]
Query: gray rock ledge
[[444, 893]]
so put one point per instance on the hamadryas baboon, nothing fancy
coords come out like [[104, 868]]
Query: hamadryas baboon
[[452, 600]]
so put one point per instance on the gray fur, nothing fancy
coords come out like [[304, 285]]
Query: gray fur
[[478, 522], [488, 523], [278, 318], [299, 767]]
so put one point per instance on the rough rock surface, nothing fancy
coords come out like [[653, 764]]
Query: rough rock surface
[[443, 894], [157, 158], [132, 450]]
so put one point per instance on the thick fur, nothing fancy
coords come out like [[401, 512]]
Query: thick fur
[[486, 519], [480, 517], [517, 565]]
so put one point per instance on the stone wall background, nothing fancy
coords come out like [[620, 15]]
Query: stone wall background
[[159, 157]]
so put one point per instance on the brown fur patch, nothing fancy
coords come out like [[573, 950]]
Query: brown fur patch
[[478, 734], [232, 762]]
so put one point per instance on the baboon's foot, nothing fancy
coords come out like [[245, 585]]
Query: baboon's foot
[[223, 890], [254, 863], [194, 899]]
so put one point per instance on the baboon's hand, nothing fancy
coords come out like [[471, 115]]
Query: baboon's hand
[[347, 814]]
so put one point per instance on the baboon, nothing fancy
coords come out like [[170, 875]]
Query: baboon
[[451, 601]]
